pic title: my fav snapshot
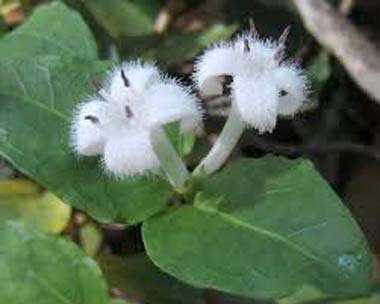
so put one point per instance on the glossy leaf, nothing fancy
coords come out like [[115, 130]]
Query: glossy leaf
[[136, 276], [37, 97], [52, 29], [36, 268], [262, 228], [39, 210]]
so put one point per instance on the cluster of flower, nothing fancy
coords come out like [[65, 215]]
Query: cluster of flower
[[118, 122]]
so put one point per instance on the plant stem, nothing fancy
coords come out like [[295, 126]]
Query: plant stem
[[224, 145], [170, 161]]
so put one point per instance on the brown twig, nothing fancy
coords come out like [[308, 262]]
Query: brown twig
[[356, 53], [293, 150]]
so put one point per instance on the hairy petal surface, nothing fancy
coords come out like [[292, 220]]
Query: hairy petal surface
[[169, 102], [87, 133], [130, 154]]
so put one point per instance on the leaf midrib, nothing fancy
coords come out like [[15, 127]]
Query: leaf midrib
[[38, 104], [257, 230]]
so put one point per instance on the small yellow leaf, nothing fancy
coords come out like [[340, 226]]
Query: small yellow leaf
[[23, 200], [18, 186]]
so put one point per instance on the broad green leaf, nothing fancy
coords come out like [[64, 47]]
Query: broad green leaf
[[39, 210], [53, 29], [37, 97], [262, 228], [37, 268], [137, 276], [124, 17]]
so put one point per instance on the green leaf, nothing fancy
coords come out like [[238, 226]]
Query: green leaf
[[137, 276], [37, 268], [37, 97], [52, 30], [262, 228], [40, 210], [124, 17]]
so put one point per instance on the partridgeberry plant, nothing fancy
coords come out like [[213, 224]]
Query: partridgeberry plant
[[263, 228]]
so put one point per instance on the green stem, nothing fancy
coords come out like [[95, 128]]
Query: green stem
[[170, 161], [224, 145]]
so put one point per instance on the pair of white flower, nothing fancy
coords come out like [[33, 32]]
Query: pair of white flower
[[122, 120]]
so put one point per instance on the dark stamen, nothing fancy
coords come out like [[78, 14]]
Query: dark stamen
[[280, 53], [226, 81], [128, 112], [246, 46], [92, 118], [284, 36], [125, 79]]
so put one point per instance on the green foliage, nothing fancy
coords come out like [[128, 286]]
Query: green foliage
[[262, 228], [124, 17], [266, 228], [36, 268], [37, 98], [52, 29], [136, 275]]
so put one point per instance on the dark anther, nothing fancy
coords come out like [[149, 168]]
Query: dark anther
[[246, 46], [284, 35], [283, 93], [226, 81], [125, 79], [128, 112], [91, 118], [280, 53]]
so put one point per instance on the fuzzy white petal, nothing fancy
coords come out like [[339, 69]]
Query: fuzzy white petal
[[140, 77], [169, 102], [87, 136], [130, 154], [219, 60], [256, 102], [291, 80]]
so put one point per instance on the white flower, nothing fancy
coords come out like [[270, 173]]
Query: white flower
[[117, 123], [262, 84]]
